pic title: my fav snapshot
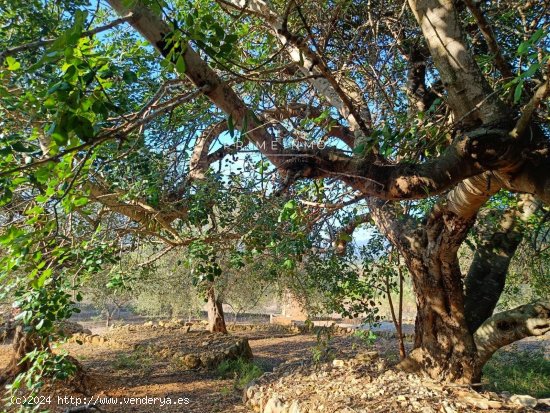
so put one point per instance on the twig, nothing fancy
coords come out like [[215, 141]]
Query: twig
[[40, 43]]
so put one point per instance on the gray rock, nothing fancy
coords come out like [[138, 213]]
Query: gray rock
[[274, 405], [524, 400]]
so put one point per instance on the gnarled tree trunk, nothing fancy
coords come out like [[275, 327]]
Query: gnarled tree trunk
[[444, 347], [216, 319], [455, 334], [23, 343]]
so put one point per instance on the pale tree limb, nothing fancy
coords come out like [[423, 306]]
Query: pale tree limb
[[508, 326], [528, 111], [311, 63], [137, 211], [460, 74], [344, 234]]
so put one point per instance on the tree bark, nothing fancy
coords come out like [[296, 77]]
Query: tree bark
[[512, 325], [487, 274], [216, 319], [444, 348], [23, 343]]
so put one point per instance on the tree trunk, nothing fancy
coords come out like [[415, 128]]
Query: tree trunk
[[487, 274], [23, 343], [444, 348], [216, 320]]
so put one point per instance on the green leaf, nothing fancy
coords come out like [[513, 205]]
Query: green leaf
[[531, 71], [518, 91], [536, 36], [180, 64], [129, 77], [231, 126], [523, 47], [12, 63], [359, 149], [80, 202], [43, 277]]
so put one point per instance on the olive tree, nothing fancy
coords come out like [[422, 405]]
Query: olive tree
[[378, 104]]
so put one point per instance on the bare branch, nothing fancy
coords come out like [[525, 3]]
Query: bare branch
[[501, 63]]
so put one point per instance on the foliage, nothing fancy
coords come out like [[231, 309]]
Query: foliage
[[366, 337], [322, 351], [241, 370], [98, 134]]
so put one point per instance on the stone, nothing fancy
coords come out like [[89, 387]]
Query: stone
[[544, 402], [367, 356], [95, 339], [191, 361], [294, 407], [274, 405], [523, 400], [338, 363], [249, 392], [208, 360], [448, 408], [68, 328], [148, 324]]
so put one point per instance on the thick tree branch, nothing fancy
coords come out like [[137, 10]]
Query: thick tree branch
[[355, 112], [486, 276], [513, 325], [469, 94], [219, 92], [344, 234], [137, 211]]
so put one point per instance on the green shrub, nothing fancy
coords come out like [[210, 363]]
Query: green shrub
[[140, 359], [518, 373], [242, 370]]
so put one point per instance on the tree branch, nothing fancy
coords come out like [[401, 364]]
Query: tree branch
[[512, 325], [40, 43], [501, 63], [460, 74], [344, 235]]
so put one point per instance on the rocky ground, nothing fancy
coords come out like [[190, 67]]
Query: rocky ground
[[349, 375], [364, 383]]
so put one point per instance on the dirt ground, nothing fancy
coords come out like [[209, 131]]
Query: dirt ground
[[118, 374], [142, 370]]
